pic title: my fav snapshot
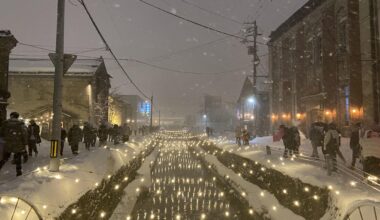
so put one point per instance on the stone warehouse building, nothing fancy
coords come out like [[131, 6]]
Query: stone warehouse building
[[118, 110], [85, 91], [315, 65]]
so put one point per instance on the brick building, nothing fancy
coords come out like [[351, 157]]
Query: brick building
[[370, 57], [85, 91], [315, 65]]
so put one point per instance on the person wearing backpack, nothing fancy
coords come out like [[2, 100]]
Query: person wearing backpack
[[331, 146], [15, 137], [33, 138]]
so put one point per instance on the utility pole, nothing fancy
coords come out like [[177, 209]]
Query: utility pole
[[250, 35], [57, 96], [7, 43], [151, 113]]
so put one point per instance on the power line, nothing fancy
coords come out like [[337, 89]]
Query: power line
[[51, 50], [109, 48], [212, 12], [148, 64], [189, 72], [168, 55], [36, 47], [193, 22], [211, 28]]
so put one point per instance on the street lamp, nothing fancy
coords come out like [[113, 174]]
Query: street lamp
[[205, 118], [251, 100]]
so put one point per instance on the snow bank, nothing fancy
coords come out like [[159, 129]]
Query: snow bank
[[52, 192], [128, 201], [346, 189], [259, 199]]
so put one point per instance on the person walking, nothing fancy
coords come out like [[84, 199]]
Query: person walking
[[63, 138], [330, 147], [94, 133], [116, 134], [74, 137], [296, 140], [126, 132], [33, 137], [287, 139], [238, 135], [15, 136], [87, 135], [102, 135], [354, 144], [110, 133], [245, 137], [316, 136]]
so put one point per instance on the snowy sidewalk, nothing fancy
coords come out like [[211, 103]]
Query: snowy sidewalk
[[52, 192]]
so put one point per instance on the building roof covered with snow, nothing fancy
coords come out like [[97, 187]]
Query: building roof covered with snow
[[27, 66], [298, 16]]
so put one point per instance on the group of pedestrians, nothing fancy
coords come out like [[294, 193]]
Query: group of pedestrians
[[18, 139], [291, 138], [242, 135], [328, 137], [89, 134]]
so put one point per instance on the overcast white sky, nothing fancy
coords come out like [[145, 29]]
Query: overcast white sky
[[135, 30]]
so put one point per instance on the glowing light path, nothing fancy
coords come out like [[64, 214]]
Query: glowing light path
[[181, 189]]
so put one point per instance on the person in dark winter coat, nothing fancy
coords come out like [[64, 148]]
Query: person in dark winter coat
[[110, 134], [316, 136], [102, 135], [296, 139], [126, 132], [33, 137], [63, 138], [116, 134], [287, 139], [94, 132], [87, 135], [74, 137], [331, 147], [238, 135], [354, 144], [16, 138], [245, 137]]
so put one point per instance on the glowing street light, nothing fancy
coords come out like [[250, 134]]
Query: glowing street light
[[251, 100]]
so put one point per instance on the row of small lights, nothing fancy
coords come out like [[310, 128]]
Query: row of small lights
[[306, 189]]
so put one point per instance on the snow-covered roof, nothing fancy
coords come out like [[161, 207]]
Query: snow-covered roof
[[5, 33], [45, 66]]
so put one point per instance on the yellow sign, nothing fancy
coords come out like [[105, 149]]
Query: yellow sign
[[54, 149]]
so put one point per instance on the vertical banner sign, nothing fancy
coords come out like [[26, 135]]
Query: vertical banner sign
[[53, 149]]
